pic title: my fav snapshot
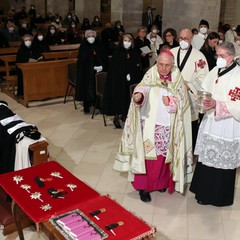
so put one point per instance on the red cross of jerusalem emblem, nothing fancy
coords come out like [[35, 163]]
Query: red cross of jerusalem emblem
[[234, 94], [201, 63]]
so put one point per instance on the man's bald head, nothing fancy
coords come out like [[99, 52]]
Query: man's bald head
[[185, 34]]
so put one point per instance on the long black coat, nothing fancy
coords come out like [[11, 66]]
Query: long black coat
[[89, 56], [116, 98], [139, 44]]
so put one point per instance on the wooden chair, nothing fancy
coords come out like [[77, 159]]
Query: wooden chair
[[100, 79], [72, 82]]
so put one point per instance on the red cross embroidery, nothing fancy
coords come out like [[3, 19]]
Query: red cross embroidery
[[234, 94], [201, 63]]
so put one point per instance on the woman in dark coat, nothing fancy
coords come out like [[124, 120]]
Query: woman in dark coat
[[40, 42], [124, 70], [26, 53], [208, 49], [73, 33], [142, 41], [86, 24], [91, 59], [53, 37]]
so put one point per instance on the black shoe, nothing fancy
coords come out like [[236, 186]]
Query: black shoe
[[163, 190], [145, 196], [201, 202], [116, 123]]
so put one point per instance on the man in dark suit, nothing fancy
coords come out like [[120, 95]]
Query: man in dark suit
[[147, 18]]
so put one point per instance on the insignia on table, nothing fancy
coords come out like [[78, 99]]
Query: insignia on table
[[56, 174], [26, 187], [36, 195], [17, 179], [46, 207], [71, 186]]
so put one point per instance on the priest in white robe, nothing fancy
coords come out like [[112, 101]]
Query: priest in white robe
[[218, 142]]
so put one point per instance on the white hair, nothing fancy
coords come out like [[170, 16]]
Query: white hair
[[90, 31]]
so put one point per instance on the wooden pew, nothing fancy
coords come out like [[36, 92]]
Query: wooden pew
[[15, 43], [60, 55], [7, 51], [64, 47], [44, 80], [11, 79]]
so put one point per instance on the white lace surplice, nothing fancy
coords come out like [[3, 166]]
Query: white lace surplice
[[218, 143]]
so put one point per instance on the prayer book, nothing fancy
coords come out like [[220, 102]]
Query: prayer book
[[146, 49]]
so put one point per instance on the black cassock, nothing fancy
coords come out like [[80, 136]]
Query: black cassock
[[89, 56], [116, 97]]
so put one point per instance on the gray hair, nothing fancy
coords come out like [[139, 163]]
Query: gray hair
[[228, 46], [90, 31]]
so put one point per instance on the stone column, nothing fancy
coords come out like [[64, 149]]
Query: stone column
[[187, 14]]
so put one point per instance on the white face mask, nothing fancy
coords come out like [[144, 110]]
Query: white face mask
[[73, 26], [220, 41], [153, 40], [221, 62], [154, 31], [203, 30], [127, 44], [40, 38], [28, 43], [91, 40], [24, 25], [52, 31], [233, 28], [183, 44], [57, 20], [11, 29]]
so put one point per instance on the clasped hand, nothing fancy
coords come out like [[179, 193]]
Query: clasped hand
[[209, 103]]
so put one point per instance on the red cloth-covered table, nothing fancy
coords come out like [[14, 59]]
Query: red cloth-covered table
[[24, 188]]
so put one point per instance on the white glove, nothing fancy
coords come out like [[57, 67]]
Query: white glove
[[128, 77], [98, 68]]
